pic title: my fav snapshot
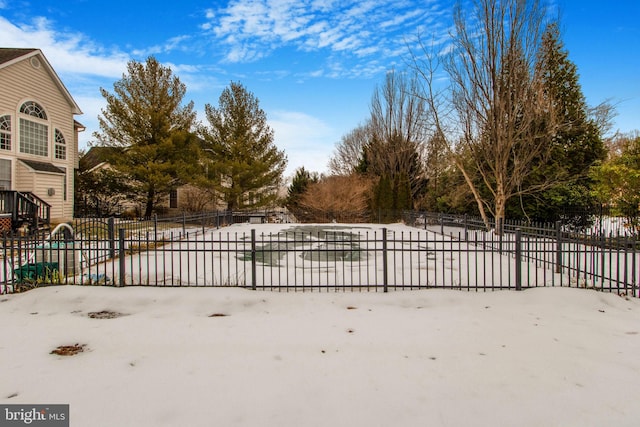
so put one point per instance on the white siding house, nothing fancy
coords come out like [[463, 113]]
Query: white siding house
[[38, 132]]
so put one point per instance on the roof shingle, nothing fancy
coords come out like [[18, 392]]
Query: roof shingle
[[8, 54], [41, 166]]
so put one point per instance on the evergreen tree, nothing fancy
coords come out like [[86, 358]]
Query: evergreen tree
[[577, 144], [403, 200], [617, 181], [145, 117], [383, 198], [395, 166], [240, 143], [299, 186]]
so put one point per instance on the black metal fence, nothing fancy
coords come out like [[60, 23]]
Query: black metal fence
[[593, 227], [430, 251]]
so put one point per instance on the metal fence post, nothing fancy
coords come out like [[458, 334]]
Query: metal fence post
[[111, 232], [5, 280], [518, 251], [603, 248], [253, 259], [466, 228], [634, 271], [385, 280], [155, 226], [558, 247], [121, 255]]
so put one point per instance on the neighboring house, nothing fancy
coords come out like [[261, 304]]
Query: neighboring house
[[38, 133], [183, 198], [92, 199]]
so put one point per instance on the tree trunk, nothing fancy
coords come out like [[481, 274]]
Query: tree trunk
[[149, 206], [231, 200], [476, 194], [500, 205], [232, 195]]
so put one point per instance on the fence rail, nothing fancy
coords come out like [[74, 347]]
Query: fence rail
[[434, 252]]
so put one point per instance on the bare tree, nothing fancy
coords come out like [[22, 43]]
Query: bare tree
[[347, 155], [397, 131], [198, 199], [603, 115], [336, 195], [494, 109]]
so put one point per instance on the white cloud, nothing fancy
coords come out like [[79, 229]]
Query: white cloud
[[306, 140], [348, 43], [66, 51], [82, 65], [366, 51], [253, 29], [400, 19], [91, 107], [177, 43]]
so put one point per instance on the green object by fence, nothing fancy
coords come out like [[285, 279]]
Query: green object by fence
[[36, 272]]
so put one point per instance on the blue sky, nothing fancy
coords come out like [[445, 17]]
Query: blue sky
[[313, 64]]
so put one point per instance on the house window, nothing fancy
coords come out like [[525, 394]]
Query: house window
[[60, 146], [5, 132], [33, 138], [34, 109], [5, 174], [173, 199]]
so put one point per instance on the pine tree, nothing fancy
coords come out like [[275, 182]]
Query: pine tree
[[577, 144], [383, 198], [145, 117], [299, 186], [402, 192], [241, 148]]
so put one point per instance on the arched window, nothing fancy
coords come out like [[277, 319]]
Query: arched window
[[34, 135], [60, 146], [31, 108], [5, 132]]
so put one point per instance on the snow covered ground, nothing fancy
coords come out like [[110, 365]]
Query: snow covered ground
[[234, 357]]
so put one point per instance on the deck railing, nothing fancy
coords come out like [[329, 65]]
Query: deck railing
[[25, 207]]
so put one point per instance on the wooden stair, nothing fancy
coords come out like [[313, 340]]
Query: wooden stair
[[26, 209]]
